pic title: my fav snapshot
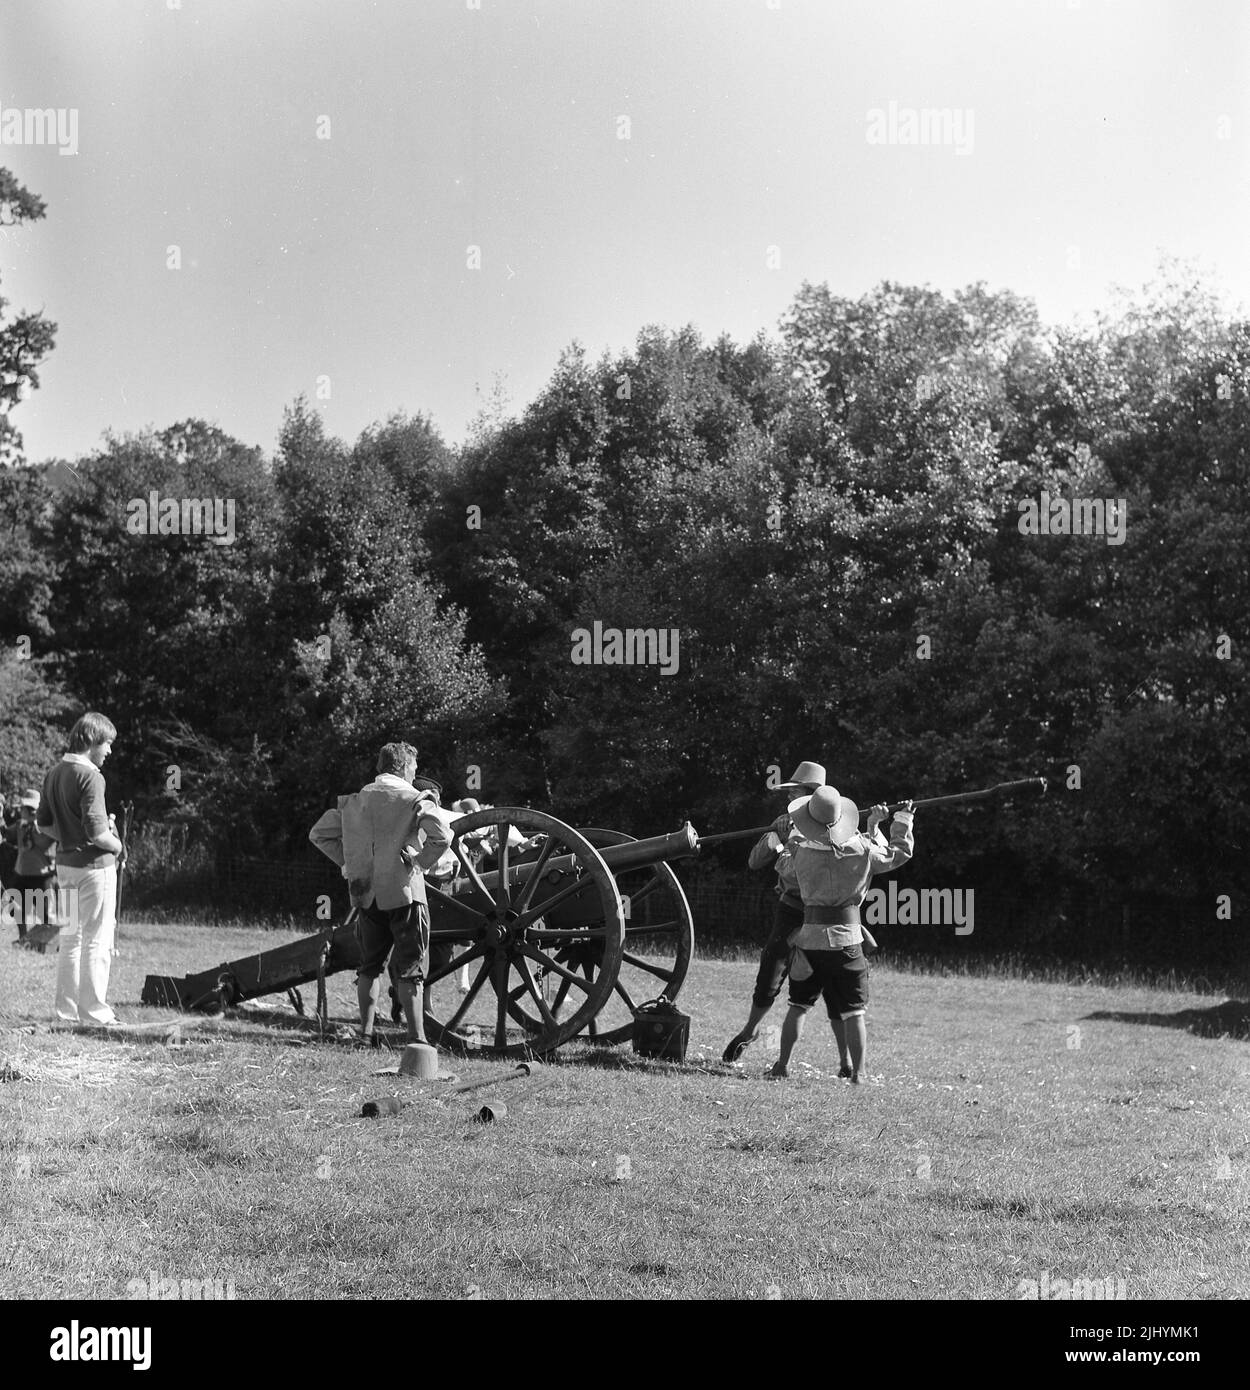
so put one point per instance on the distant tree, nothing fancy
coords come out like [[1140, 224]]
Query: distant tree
[[547, 513], [361, 645], [35, 716], [26, 339], [798, 532], [412, 453], [157, 629], [27, 565]]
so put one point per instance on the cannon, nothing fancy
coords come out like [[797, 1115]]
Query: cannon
[[568, 938]]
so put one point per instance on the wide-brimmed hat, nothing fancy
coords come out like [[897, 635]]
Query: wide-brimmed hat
[[465, 806], [30, 798], [825, 816], [806, 775]]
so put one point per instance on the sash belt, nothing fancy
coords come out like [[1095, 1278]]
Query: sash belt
[[817, 914]]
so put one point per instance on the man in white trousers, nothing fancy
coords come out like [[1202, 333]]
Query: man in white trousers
[[72, 812]]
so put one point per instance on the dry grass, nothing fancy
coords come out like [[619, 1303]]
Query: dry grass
[[999, 1144]]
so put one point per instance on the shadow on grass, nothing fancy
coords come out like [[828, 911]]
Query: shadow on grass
[[179, 1036], [270, 1027], [600, 1059], [623, 1059], [1046, 1210], [281, 1027], [1032, 1208], [1231, 1019], [208, 1143], [280, 1021]]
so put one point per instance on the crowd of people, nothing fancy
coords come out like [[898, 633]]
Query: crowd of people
[[393, 835]]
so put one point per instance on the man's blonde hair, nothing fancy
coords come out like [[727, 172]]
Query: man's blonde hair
[[91, 729]]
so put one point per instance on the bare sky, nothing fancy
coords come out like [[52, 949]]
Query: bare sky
[[1085, 139]]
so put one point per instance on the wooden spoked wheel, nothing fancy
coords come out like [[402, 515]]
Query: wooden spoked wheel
[[659, 942], [510, 926]]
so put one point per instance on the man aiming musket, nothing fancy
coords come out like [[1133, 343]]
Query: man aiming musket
[[774, 848], [835, 863], [778, 844]]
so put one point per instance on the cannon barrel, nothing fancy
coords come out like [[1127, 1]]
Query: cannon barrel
[[680, 844]]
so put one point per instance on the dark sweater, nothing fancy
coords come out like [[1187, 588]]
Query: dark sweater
[[72, 811]]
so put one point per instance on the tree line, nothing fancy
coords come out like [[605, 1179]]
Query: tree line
[[831, 519]]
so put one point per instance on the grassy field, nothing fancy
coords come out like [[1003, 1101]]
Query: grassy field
[[1015, 1130]]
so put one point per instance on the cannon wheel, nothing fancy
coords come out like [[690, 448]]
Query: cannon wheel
[[659, 923], [500, 933]]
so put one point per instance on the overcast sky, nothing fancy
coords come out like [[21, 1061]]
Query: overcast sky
[[1086, 137]]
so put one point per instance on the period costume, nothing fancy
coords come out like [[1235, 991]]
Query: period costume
[[834, 863], [366, 835], [777, 954]]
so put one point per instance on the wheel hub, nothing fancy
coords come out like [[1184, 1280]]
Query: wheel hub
[[500, 929]]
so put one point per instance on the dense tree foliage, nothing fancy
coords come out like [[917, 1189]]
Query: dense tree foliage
[[33, 715], [829, 527], [257, 670]]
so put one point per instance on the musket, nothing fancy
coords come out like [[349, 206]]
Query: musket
[[128, 814], [1002, 790], [724, 836]]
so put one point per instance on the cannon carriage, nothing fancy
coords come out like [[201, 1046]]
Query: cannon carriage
[[566, 939]]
